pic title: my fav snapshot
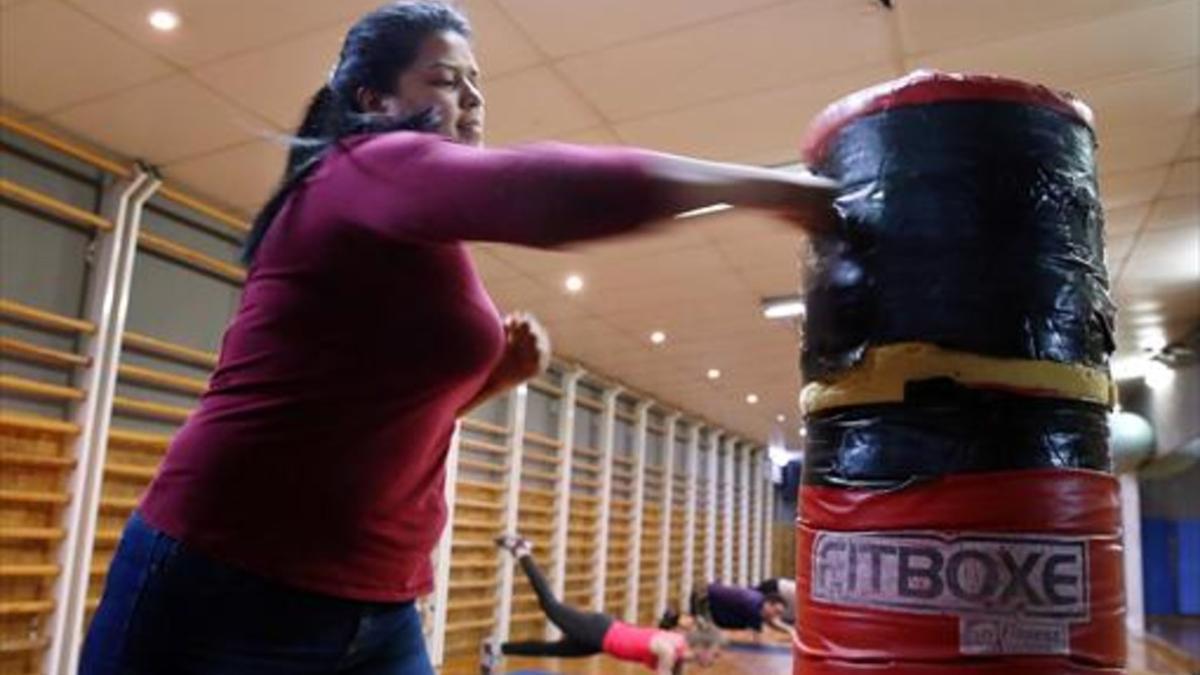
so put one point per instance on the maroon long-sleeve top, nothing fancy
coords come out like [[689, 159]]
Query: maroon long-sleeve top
[[317, 456]]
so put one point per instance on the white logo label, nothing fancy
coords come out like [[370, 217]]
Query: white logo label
[[1013, 594]]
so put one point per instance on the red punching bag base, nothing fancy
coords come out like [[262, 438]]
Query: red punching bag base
[[999, 572]]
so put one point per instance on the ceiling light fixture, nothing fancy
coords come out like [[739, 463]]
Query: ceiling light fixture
[[751, 398], [658, 337], [783, 307], [713, 374], [163, 20], [574, 283]]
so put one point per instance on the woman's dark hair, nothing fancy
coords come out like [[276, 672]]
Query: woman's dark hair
[[377, 47], [774, 599]]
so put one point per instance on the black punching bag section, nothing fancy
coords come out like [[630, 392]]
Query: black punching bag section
[[958, 511]]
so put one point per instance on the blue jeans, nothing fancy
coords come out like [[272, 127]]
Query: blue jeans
[[170, 611]]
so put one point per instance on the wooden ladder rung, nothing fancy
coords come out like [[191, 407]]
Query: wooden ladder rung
[[31, 533], [466, 462], [544, 441], [118, 503], [33, 497], [545, 387], [49, 425], [130, 470], [483, 446], [542, 475], [192, 258], [471, 604], [476, 524], [170, 350], [485, 427], [40, 201], [469, 624], [472, 564], [26, 571], [473, 584], [43, 390], [531, 508], [17, 311], [35, 460], [540, 457], [161, 411], [138, 439], [157, 378], [26, 607], [480, 485], [32, 352], [23, 646]]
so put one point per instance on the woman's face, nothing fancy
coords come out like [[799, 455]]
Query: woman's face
[[443, 78]]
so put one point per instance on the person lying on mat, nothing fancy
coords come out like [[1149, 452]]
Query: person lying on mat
[[591, 633], [735, 608], [784, 588]]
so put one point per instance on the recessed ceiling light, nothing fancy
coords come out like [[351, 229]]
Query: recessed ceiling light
[[1159, 375], [780, 418], [803, 431], [574, 283], [713, 373], [785, 307], [751, 398], [658, 337], [163, 20]]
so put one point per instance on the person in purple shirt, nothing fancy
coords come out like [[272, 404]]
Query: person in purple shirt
[[290, 526], [740, 608]]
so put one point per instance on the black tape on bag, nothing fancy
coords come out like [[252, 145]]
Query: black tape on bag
[[975, 226], [944, 428]]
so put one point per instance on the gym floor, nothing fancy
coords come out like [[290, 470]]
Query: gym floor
[[1147, 656]]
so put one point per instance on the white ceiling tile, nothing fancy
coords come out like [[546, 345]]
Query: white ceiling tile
[[241, 177], [500, 46], [762, 128], [1163, 259], [595, 136], [932, 25], [561, 28], [1140, 99], [1116, 249], [1070, 56], [1184, 179], [1175, 212], [777, 46], [1127, 188], [534, 104], [1141, 148], [491, 268], [1126, 220], [279, 80], [161, 122], [1191, 147], [213, 29], [52, 56]]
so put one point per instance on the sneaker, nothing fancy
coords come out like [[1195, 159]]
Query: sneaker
[[514, 544], [489, 657]]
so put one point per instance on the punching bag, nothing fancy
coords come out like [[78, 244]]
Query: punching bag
[[958, 512]]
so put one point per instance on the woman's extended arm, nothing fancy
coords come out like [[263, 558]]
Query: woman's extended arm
[[416, 187]]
